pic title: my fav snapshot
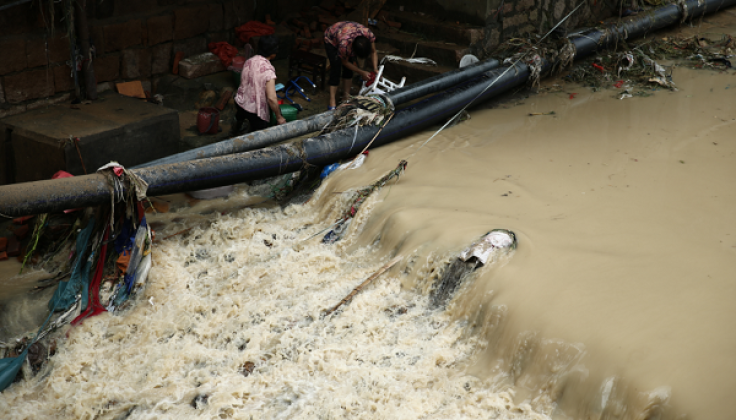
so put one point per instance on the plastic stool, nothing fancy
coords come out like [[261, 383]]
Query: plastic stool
[[293, 87], [381, 84]]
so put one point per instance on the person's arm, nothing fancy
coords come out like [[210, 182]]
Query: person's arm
[[363, 74], [375, 57], [273, 101]]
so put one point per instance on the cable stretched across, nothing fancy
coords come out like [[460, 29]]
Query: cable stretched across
[[495, 80]]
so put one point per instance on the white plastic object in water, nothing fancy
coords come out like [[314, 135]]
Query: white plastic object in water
[[141, 274], [482, 249], [354, 164], [467, 60], [381, 84]]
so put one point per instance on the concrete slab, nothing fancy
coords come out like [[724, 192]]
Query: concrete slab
[[36, 144]]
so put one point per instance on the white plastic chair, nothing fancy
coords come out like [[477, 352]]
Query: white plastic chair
[[381, 85]]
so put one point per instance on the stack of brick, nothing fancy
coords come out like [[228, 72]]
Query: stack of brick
[[132, 42]]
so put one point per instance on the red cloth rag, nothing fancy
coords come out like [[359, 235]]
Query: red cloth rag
[[253, 28], [225, 51], [94, 306]]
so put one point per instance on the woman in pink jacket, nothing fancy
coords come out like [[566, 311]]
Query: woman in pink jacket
[[257, 92]]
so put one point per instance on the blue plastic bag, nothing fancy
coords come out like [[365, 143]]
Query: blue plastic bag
[[328, 170]]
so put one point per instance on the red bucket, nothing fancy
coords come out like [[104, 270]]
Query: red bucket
[[208, 120]]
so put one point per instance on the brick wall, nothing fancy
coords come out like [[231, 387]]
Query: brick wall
[[133, 39], [512, 18]]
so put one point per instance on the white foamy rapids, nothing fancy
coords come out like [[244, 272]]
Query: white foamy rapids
[[243, 288]]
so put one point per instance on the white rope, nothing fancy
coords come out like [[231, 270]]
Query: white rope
[[497, 78]]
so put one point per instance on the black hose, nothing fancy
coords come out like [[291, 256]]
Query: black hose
[[279, 133], [55, 195], [60, 194], [250, 141], [439, 82]]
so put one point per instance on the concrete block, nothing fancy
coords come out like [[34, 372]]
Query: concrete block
[[190, 21], [63, 79], [191, 46], [216, 18], [161, 58], [160, 29], [119, 128], [12, 55], [30, 84], [135, 64], [64, 97], [200, 65], [120, 36], [107, 68], [3, 256], [13, 110], [36, 52]]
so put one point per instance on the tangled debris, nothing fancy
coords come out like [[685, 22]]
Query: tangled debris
[[337, 230], [360, 111], [489, 248], [635, 68]]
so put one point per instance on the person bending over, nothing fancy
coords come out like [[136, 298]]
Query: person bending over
[[257, 90], [344, 42]]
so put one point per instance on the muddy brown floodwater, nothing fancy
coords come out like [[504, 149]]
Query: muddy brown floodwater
[[621, 294], [617, 304]]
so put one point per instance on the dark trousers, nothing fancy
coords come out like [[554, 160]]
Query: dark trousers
[[254, 121], [336, 66]]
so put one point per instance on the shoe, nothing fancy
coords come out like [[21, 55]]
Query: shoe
[[330, 108]]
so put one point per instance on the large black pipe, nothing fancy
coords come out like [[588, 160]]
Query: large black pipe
[[250, 141], [279, 133], [56, 195], [48, 196], [589, 41], [440, 82]]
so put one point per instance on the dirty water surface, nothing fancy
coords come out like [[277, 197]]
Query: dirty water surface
[[617, 302]]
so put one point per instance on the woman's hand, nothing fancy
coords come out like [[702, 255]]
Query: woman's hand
[[280, 120], [365, 75]]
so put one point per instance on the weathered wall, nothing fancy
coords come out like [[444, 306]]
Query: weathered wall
[[134, 40], [513, 18], [504, 19]]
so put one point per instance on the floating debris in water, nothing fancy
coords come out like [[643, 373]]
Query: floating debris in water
[[490, 247]]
